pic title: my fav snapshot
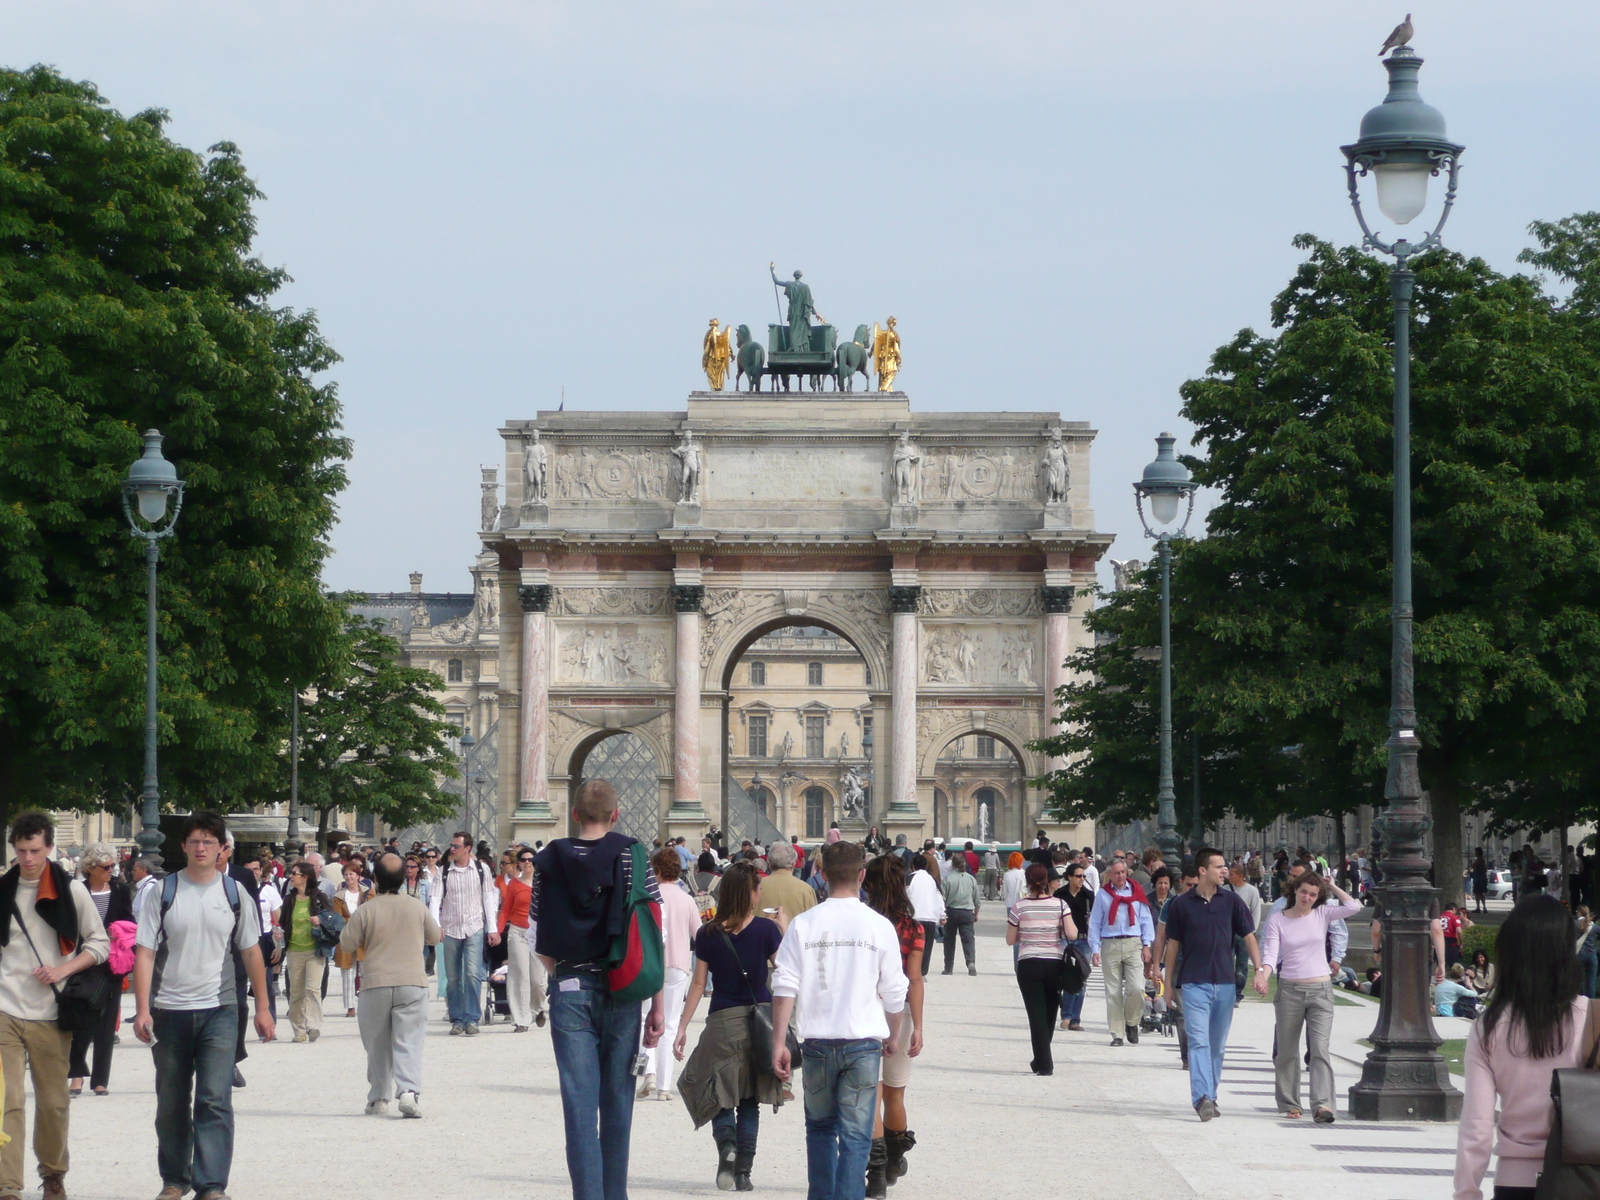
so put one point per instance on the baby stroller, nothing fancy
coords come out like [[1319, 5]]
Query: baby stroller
[[497, 1001]]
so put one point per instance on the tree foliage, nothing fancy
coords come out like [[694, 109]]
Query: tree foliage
[[373, 739], [129, 298], [1281, 613]]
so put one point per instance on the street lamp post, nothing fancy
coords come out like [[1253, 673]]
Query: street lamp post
[[1167, 485], [1403, 145], [293, 833], [153, 490]]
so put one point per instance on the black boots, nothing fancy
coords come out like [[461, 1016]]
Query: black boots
[[726, 1161], [897, 1142], [742, 1163], [878, 1170]]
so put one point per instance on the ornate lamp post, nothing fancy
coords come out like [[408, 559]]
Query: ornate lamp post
[[1403, 145], [154, 489], [1166, 484]]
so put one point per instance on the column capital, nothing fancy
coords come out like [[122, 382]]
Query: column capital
[[1057, 599], [687, 597], [904, 599], [535, 597]]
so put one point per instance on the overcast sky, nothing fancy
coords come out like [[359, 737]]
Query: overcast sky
[[1068, 206]]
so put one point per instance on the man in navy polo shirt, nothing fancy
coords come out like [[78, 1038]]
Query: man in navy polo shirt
[[1202, 924]]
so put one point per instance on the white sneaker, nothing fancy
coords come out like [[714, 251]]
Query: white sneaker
[[377, 1108], [409, 1106], [645, 1088]]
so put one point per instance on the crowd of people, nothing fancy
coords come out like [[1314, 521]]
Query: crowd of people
[[811, 958]]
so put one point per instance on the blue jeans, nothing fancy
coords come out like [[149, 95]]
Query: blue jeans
[[1207, 1016], [1072, 1002], [594, 1040], [841, 1094], [1589, 963], [463, 959], [742, 1125], [194, 1096]]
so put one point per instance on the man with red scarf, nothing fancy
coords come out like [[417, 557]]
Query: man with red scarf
[[1121, 930]]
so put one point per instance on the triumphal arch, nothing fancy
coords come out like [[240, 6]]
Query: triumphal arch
[[642, 554]]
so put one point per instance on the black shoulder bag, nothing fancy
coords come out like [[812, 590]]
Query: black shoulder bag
[[82, 997], [760, 1019], [1572, 1151]]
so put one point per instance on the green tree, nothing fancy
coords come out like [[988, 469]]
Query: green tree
[[1283, 608], [374, 739], [129, 298]]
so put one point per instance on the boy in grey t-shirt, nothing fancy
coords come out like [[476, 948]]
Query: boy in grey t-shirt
[[183, 983]]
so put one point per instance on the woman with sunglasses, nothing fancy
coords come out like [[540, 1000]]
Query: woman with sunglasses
[[1079, 898], [525, 975]]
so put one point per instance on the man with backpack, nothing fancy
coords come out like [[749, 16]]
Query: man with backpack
[[466, 905], [183, 986], [583, 898]]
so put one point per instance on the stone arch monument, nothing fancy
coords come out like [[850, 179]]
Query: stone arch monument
[[954, 550]]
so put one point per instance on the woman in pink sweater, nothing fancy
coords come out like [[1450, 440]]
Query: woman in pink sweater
[[1295, 944], [1536, 1023]]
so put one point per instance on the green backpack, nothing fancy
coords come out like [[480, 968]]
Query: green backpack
[[636, 967]]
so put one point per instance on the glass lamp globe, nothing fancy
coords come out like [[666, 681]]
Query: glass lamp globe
[[1402, 189]]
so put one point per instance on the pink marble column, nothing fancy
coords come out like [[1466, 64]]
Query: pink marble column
[[903, 699], [1057, 646], [534, 726], [686, 705]]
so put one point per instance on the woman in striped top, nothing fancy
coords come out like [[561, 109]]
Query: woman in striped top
[[1038, 924]]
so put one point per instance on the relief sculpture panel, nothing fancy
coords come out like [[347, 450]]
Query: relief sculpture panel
[[1003, 655], [979, 602], [612, 653], [610, 602], [986, 473], [623, 473]]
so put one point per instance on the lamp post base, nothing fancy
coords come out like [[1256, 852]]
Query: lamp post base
[[1405, 1085]]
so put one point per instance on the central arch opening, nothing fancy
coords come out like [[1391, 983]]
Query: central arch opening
[[979, 790], [796, 722]]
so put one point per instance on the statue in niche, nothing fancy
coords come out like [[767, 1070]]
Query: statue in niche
[[844, 743], [489, 507], [535, 468], [715, 355], [906, 458], [1057, 474], [688, 455], [785, 747], [855, 796], [967, 654], [488, 600]]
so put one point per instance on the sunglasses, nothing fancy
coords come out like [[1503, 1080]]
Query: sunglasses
[[524, 860]]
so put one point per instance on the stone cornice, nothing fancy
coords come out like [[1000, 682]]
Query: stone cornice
[[791, 542]]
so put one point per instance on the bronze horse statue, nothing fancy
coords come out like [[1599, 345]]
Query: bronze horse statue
[[851, 357], [752, 359]]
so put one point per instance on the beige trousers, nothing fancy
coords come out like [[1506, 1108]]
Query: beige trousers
[[46, 1048], [1122, 970], [526, 978], [305, 991]]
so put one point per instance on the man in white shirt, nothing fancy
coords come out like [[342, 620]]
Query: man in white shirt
[[49, 929], [467, 906], [144, 880], [1251, 895], [842, 960], [1091, 873], [186, 1002]]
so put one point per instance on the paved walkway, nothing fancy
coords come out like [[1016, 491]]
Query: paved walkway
[[1110, 1121]]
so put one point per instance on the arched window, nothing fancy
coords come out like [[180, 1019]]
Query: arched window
[[816, 812], [814, 674], [758, 674], [453, 671]]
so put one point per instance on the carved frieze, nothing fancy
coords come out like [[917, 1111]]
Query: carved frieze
[[1003, 655], [986, 473], [610, 602], [724, 609], [597, 473], [612, 653], [979, 602]]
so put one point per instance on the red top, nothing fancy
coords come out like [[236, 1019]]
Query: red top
[[1452, 926], [514, 906], [972, 862]]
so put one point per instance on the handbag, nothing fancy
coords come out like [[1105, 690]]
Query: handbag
[[1572, 1151], [761, 1021], [82, 997]]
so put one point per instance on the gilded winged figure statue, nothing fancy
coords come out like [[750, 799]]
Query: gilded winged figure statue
[[885, 354], [717, 355]]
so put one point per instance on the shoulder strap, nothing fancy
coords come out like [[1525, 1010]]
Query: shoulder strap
[[1591, 1038], [739, 962]]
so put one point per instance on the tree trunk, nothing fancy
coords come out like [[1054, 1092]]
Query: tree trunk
[[322, 831], [1344, 845], [1445, 802]]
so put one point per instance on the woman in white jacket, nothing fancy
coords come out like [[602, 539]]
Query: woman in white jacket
[[927, 903]]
